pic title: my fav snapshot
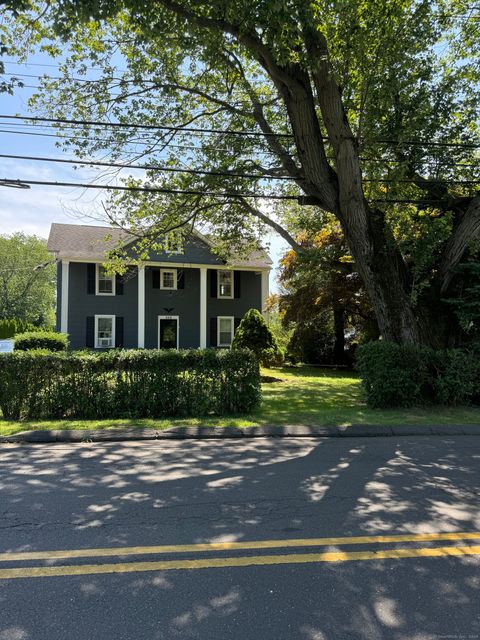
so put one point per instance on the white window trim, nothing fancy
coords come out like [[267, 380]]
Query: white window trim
[[97, 318], [232, 284], [174, 272], [97, 277], [232, 324], [177, 318]]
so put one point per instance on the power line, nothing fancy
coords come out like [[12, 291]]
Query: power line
[[207, 172], [301, 199], [155, 127], [191, 192], [154, 167], [143, 143], [117, 84], [100, 123]]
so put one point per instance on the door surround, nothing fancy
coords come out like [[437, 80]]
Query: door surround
[[160, 318]]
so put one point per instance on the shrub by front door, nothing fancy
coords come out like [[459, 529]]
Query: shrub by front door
[[168, 332]]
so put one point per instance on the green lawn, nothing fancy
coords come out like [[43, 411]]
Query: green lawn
[[306, 396]]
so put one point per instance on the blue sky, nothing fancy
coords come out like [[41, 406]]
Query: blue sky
[[32, 211]]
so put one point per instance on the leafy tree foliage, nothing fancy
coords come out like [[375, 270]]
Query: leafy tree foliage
[[465, 300], [323, 296], [27, 279], [368, 108], [11, 326]]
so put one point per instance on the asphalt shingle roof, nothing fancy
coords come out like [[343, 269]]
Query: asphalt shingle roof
[[88, 242]]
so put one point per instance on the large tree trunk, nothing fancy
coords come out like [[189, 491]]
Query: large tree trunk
[[383, 273], [375, 251], [337, 188]]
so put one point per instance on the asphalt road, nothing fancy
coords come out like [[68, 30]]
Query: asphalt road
[[245, 540]]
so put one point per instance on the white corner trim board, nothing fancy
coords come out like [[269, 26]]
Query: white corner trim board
[[141, 308], [64, 294], [265, 290], [203, 308]]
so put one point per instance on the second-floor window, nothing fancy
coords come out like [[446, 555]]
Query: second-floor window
[[168, 278], [105, 282], [225, 284], [173, 243]]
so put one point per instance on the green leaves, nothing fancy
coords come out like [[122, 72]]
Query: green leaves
[[27, 279], [148, 383]]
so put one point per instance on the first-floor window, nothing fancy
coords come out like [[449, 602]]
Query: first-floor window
[[104, 332], [225, 325]]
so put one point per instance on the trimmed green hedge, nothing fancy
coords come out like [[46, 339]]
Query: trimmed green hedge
[[396, 375], [124, 384], [40, 340]]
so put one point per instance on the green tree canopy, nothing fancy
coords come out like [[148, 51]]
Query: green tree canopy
[[367, 107], [322, 295], [27, 279]]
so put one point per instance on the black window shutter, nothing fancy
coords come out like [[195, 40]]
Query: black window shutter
[[118, 285], [213, 332], [90, 332], [236, 324], [236, 284], [213, 283], [118, 331], [180, 279], [156, 278], [91, 279]]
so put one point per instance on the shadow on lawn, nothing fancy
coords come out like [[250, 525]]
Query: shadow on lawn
[[197, 491]]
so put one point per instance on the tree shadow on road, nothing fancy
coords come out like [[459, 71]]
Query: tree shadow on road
[[201, 491]]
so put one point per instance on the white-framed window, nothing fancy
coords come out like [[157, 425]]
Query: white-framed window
[[168, 278], [104, 332], [105, 284], [225, 284], [173, 243], [225, 330]]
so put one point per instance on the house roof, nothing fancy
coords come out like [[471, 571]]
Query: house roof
[[89, 242]]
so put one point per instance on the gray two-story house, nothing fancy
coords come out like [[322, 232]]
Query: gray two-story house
[[185, 297]]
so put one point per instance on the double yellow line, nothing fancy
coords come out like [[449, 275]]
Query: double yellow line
[[236, 561]]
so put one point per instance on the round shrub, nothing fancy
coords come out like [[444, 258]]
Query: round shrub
[[395, 375], [253, 333], [41, 340], [273, 357], [456, 376]]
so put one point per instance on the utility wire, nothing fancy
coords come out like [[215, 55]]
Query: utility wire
[[191, 192], [154, 167], [104, 81], [255, 176], [129, 142], [122, 125], [301, 199], [155, 127]]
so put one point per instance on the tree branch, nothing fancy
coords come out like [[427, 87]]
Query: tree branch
[[293, 85], [254, 211], [466, 229]]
